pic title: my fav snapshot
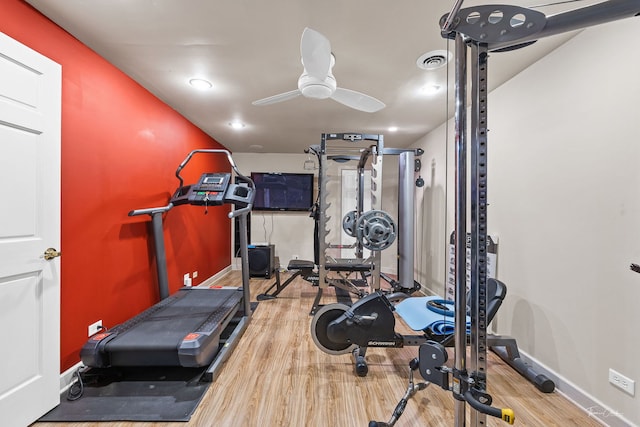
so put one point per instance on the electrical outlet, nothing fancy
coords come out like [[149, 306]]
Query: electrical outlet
[[623, 383], [186, 280], [195, 274], [94, 328]]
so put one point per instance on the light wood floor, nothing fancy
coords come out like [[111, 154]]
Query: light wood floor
[[278, 377]]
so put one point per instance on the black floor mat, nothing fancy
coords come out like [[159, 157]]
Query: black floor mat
[[137, 394], [143, 394]]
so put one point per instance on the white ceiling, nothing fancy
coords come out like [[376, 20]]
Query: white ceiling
[[250, 49]]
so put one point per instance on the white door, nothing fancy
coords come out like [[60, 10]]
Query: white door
[[30, 109]]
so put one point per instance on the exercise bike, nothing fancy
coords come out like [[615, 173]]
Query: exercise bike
[[339, 329]]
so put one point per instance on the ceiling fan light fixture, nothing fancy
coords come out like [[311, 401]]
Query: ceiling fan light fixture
[[316, 91], [201, 84], [311, 87], [434, 60]]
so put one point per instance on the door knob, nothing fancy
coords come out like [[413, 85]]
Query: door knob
[[51, 253]]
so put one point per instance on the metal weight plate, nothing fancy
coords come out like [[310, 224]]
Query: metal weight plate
[[375, 230], [349, 223]]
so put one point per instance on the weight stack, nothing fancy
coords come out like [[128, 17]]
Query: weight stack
[[262, 261]]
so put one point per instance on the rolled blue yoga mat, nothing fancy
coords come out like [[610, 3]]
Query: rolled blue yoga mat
[[419, 316]]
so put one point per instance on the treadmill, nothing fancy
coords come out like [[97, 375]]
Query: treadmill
[[195, 327]]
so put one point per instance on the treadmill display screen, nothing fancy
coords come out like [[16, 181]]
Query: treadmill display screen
[[213, 180]]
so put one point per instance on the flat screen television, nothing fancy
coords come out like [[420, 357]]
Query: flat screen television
[[283, 191]]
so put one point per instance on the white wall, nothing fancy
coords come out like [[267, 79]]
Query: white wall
[[431, 212], [290, 232], [564, 200]]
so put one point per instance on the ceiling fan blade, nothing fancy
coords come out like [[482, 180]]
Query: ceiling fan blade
[[315, 50], [357, 100], [278, 98]]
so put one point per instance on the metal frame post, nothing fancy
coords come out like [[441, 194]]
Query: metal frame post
[[460, 338], [478, 364], [161, 255], [406, 219], [244, 259]]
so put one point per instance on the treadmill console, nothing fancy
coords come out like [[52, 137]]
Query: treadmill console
[[213, 189], [210, 189]]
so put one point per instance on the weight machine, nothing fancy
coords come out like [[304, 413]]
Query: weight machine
[[337, 328], [366, 227], [373, 229], [483, 29]]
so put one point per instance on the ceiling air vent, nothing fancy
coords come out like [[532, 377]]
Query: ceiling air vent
[[433, 60]]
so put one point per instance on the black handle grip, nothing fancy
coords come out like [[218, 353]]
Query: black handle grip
[[505, 414]]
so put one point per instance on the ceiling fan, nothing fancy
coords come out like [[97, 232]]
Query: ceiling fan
[[317, 81]]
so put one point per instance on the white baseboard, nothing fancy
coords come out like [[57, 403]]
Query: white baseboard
[[213, 279], [596, 409], [236, 264], [66, 378]]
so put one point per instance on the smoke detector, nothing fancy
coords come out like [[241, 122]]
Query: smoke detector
[[433, 60]]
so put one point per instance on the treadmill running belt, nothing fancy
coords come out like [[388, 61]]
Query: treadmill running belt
[[183, 330]]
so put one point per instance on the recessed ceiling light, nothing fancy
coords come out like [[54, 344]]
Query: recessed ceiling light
[[236, 125], [430, 89], [392, 128], [200, 84], [434, 59]]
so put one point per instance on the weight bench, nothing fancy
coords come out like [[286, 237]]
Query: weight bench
[[301, 267], [306, 268], [434, 316], [344, 282]]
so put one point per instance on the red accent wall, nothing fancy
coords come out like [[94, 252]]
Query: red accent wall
[[120, 148]]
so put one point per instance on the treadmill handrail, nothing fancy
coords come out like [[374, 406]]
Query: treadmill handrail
[[236, 212], [158, 237], [241, 211], [150, 211], [213, 150]]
